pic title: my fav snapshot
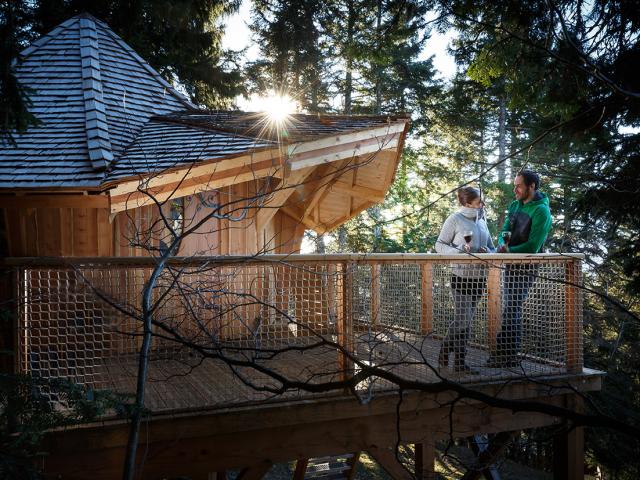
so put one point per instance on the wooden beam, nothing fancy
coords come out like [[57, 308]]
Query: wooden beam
[[486, 459], [130, 185], [425, 456], [373, 148], [347, 138], [281, 195], [301, 469], [386, 458], [54, 201], [189, 185], [225, 439], [353, 465], [359, 191], [298, 216], [568, 451], [329, 179], [323, 228]]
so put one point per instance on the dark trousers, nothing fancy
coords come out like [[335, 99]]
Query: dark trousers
[[517, 281]]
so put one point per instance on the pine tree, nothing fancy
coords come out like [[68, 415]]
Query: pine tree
[[15, 16], [179, 39], [292, 60]]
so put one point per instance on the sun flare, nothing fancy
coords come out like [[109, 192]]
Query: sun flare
[[276, 107]]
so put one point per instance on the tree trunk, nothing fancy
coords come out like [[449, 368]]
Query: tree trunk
[[348, 82], [378, 105], [502, 139]]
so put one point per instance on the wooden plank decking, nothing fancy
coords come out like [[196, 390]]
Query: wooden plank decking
[[176, 384]]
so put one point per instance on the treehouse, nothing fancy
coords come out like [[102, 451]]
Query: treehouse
[[260, 355]]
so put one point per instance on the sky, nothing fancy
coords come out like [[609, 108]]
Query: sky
[[238, 36]]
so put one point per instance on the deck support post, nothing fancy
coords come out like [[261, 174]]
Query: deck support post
[[568, 446], [301, 468], [425, 456], [386, 458], [487, 456]]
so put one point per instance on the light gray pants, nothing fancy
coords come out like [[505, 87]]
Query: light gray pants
[[460, 328]]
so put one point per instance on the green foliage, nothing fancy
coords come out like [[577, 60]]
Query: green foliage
[[293, 60], [14, 98], [30, 406], [322, 51], [181, 39]]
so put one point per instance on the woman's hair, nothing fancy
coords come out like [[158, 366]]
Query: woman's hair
[[467, 195]]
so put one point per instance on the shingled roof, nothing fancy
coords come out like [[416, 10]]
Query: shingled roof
[[106, 115], [92, 94]]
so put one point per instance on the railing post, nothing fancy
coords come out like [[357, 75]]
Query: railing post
[[494, 304], [10, 358], [344, 327], [376, 302], [573, 316], [426, 317]]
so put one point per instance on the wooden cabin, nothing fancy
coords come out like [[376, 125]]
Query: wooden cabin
[[88, 200]]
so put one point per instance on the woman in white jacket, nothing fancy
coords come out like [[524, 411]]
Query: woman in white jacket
[[468, 281]]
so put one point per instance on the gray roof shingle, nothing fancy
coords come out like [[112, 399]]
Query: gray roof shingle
[[162, 145], [106, 114], [79, 75]]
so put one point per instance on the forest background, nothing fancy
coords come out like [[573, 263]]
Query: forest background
[[547, 85]]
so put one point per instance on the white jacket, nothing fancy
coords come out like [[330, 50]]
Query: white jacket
[[451, 239]]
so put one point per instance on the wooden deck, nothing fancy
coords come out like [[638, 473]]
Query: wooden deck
[[389, 311], [190, 383]]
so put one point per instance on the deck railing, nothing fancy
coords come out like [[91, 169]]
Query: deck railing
[[223, 324]]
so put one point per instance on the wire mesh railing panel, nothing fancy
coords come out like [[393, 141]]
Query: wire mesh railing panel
[[362, 278], [400, 293], [253, 331], [69, 329], [543, 321]]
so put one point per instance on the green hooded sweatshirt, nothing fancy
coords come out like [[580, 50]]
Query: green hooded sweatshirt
[[529, 224]]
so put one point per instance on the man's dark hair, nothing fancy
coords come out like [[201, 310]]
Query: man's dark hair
[[530, 178]]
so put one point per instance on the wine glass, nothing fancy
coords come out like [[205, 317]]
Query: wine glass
[[468, 236], [506, 237]]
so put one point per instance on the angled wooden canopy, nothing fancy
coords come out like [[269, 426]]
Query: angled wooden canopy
[[322, 183]]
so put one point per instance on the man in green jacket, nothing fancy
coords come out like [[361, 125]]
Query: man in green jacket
[[527, 225]]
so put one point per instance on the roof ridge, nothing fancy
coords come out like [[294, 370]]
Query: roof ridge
[[145, 64], [97, 129]]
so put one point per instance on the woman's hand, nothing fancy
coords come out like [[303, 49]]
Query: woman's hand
[[467, 248], [483, 250]]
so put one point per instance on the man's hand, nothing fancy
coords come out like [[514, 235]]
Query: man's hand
[[482, 250], [503, 249], [467, 248]]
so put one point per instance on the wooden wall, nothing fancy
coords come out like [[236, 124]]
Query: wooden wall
[[86, 232], [66, 231]]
